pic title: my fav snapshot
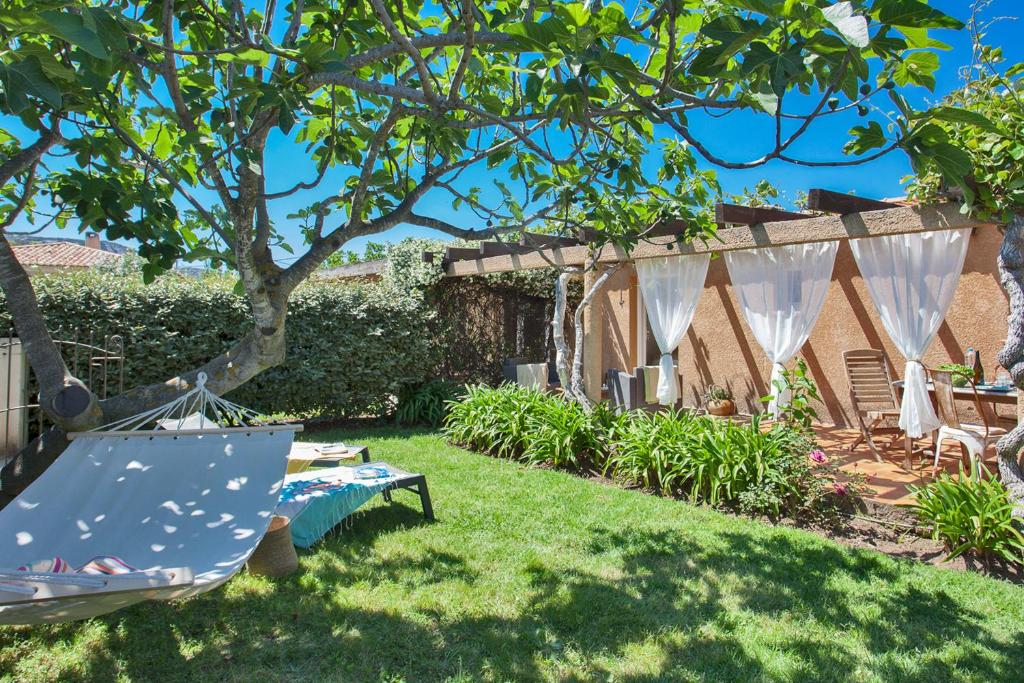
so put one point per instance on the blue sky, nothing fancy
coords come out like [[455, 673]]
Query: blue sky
[[734, 137]]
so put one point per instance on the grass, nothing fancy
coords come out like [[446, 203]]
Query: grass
[[535, 574]]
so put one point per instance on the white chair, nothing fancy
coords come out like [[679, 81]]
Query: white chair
[[973, 438]]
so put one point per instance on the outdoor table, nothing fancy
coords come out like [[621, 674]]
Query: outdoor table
[[1008, 397], [986, 396]]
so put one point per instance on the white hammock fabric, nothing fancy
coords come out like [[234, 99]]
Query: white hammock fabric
[[185, 507]]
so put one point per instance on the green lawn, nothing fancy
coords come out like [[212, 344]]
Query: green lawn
[[533, 574]]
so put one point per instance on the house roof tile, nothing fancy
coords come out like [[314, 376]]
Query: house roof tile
[[62, 254]]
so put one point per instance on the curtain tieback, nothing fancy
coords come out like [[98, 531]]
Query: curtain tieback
[[778, 391], [667, 391]]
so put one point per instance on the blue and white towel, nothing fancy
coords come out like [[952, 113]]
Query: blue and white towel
[[316, 501]]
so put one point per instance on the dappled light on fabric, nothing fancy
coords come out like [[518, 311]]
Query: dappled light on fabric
[[671, 286], [912, 279], [781, 291], [199, 501]]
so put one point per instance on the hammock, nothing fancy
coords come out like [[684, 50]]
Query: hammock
[[186, 507]]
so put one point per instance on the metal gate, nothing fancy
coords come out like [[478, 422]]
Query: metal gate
[[99, 362]]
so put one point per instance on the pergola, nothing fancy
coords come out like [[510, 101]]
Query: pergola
[[837, 217], [842, 216]]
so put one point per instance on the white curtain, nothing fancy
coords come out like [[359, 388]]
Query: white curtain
[[671, 286], [781, 291], [912, 279]]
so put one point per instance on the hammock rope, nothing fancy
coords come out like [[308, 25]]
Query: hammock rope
[[197, 401]]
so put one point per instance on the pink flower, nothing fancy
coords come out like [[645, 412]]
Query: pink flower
[[818, 455], [840, 489]]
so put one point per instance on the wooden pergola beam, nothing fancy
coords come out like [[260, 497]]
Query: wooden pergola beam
[[897, 221], [837, 202], [535, 240], [752, 215], [453, 254], [662, 228], [502, 248]]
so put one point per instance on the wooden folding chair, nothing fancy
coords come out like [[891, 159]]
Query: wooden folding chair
[[873, 396]]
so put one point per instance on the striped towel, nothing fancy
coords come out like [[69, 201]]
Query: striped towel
[[101, 564]]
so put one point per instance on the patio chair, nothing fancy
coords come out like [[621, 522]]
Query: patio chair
[[623, 390], [873, 396], [974, 439]]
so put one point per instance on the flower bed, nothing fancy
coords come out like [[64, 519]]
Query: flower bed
[[774, 470]]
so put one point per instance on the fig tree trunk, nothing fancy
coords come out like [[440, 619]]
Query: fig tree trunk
[[1011, 274]]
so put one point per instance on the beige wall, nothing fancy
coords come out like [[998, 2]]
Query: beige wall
[[719, 348]]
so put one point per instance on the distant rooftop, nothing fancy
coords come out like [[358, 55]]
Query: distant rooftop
[[369, 270], [62, 255]]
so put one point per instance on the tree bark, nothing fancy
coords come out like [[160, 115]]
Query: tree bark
[[56, 384], [579, 391], [260, 349], [558, 330], [1011, 275]]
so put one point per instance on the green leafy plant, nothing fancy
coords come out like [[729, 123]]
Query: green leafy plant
[[807, 486], [762, 471], [798, 413], [771, 471], [973, 140], [714, 392], [961, 374], [514, 422], [647, 448], [424, 404], [971, 514]]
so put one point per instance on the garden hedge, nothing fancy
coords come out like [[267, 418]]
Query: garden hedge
[[352, 346]]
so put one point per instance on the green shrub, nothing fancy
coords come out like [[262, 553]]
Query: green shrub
[[425, 404], [802, 485], [720, 461], [350, 348], [798, 413], [514, 422], [761, 471], [563, 434], [648, 447], [971, 514]]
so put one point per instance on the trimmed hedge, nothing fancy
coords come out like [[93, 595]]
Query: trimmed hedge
[[351, 347]]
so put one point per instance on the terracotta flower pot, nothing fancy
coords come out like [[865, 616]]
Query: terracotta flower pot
[[722, 408]]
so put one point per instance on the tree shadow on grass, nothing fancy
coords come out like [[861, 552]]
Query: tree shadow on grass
[[686, 606], [780, 579]]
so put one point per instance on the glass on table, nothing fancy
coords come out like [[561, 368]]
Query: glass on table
[[1003, 378]]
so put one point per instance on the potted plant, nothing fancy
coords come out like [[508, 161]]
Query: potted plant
[[718, 400], [961, 374]]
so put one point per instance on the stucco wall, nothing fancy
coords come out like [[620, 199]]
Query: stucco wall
[[719, 347]]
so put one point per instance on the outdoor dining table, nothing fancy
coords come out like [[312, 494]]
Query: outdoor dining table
[[987, 396]]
